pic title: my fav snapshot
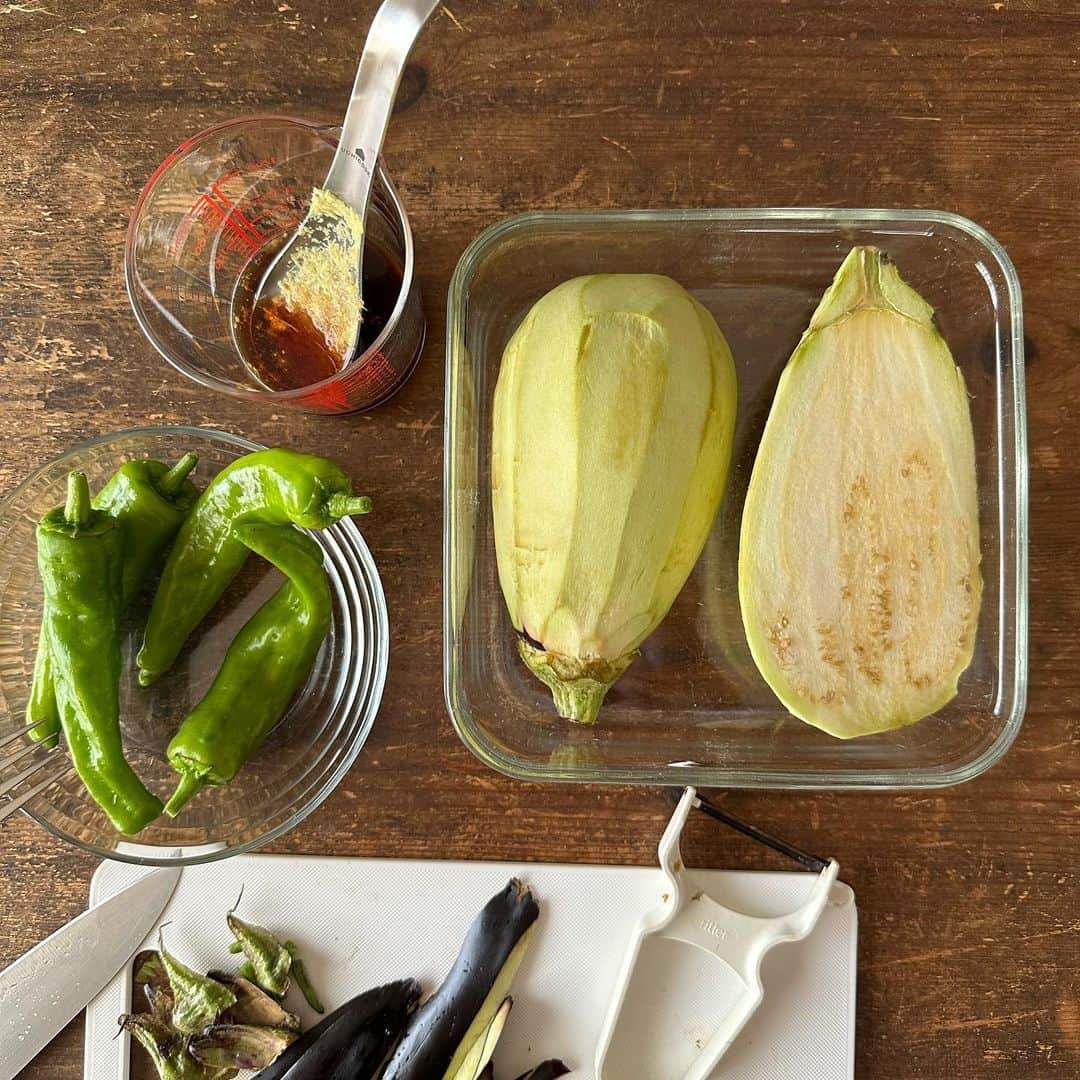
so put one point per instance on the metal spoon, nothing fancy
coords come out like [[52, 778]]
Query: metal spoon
[[393, 31]]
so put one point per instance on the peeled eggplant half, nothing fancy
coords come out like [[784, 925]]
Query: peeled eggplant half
[[859, 556], [613, 421]]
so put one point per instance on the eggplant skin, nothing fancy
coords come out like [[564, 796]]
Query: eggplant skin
[[353, 1041], [443, 1028], [546, 1070], [859, 554]]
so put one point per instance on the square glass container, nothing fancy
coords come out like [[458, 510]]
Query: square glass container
[[692, 709]]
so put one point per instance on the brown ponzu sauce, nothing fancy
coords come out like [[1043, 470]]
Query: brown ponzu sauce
[[282, 347]]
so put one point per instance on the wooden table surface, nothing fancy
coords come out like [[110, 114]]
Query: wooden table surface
[[969, 912]]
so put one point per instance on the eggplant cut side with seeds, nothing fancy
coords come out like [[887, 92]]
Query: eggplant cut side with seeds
[[442, 1033], [353, 1041], [859, 554]]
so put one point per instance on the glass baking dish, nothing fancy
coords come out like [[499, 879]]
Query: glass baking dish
[[692, 709]]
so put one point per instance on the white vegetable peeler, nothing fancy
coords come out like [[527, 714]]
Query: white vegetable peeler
[[690, 978]]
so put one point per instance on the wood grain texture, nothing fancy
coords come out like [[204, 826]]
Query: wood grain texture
[[970, 921]]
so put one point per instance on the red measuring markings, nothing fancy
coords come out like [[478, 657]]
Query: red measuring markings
[[275, 211], [216, 208], [376, 376]]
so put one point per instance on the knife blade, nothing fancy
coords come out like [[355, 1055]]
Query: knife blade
[[47, 987]]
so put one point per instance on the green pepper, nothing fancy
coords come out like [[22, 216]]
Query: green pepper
[[42, 704], [265, 665], [80, 558], [148, 500], [274, 487]]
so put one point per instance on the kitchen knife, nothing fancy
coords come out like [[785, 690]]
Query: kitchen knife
[[47, 987]]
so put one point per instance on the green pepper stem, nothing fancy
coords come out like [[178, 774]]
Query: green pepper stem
[[77, 507], [341, 505], [171, 481], [190, 785]]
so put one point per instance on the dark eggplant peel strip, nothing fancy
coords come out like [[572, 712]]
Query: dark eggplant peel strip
[[443, 1031], [546, 1070], [551, 1069], [353, 1041]]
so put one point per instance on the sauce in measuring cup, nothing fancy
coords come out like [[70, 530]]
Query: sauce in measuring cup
[[282, 347]]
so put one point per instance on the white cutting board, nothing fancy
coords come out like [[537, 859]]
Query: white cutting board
[[361, 922]]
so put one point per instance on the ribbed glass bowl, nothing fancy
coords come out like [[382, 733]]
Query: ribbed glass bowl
[[305, 756]]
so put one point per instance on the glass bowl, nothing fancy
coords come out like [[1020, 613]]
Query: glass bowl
[[212, 206], [305, 756], [692, 709]]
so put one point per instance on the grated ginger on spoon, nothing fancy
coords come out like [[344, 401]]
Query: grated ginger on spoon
[[322, 279]]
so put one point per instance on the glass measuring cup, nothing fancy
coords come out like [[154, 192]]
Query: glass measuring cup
[[216, 202]]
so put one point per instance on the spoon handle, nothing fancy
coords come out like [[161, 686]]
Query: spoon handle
[[389, 42]]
